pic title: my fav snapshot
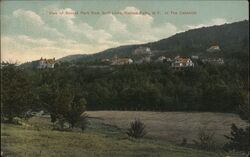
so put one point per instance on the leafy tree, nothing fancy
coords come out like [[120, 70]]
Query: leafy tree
[[16, 94], [76, 109], [47, 95], [239, 139], [62, 103]]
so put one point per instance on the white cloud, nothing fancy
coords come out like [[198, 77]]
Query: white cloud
[[136, 19], [66, 13], [112, 24], [32, 23], [80, 30], [58, 36], [24, 48], [34, 42], [215, 21], [28, 15], [165, 30], [141, 27], [92, 34], [67, 19]]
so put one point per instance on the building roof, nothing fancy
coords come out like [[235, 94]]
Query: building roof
[[181, 58], [48, 61]]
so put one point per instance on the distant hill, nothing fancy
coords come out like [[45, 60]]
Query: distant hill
[[32, 64], [71, 58], [197, 40], [192, 42], [230, 37]]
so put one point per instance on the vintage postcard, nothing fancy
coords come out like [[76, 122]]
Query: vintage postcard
[[124, 78]]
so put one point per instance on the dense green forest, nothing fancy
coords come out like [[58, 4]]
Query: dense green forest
[[152, 87], [156, 87]]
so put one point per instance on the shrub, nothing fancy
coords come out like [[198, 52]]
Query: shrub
[[137, 129], [239, 139], [205, 139]]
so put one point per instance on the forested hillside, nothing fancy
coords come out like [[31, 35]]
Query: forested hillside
[[218, 88], [232, 38]]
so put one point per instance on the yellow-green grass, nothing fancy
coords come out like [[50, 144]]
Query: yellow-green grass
[[37, 139]]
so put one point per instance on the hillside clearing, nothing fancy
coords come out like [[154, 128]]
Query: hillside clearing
[[173, 126]]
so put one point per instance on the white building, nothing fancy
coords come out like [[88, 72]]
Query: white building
[[105, 60], [182, 62], [121, 61], [214, 48], [146, 59], [46, 63]]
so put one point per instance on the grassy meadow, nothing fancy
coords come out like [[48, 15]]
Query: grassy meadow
[[174, 126], [106, 137]]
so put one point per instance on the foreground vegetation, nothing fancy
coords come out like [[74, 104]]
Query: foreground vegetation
[[65, 92], [35, 138]]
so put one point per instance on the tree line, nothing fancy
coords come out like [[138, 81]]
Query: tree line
[[63, 90]]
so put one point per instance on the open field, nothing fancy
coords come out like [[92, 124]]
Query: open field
[[173, 126], [37, 139]]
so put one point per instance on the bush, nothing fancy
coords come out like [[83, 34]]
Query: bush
[[137, 129], [205, 139], [239, 139]]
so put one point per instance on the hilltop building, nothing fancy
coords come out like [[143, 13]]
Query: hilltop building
[[214, 48], [145, 59], [105, 60], [121, 61], [46, 63], [182, 62]]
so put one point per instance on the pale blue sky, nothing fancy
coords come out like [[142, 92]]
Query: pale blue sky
[[28, 32]]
